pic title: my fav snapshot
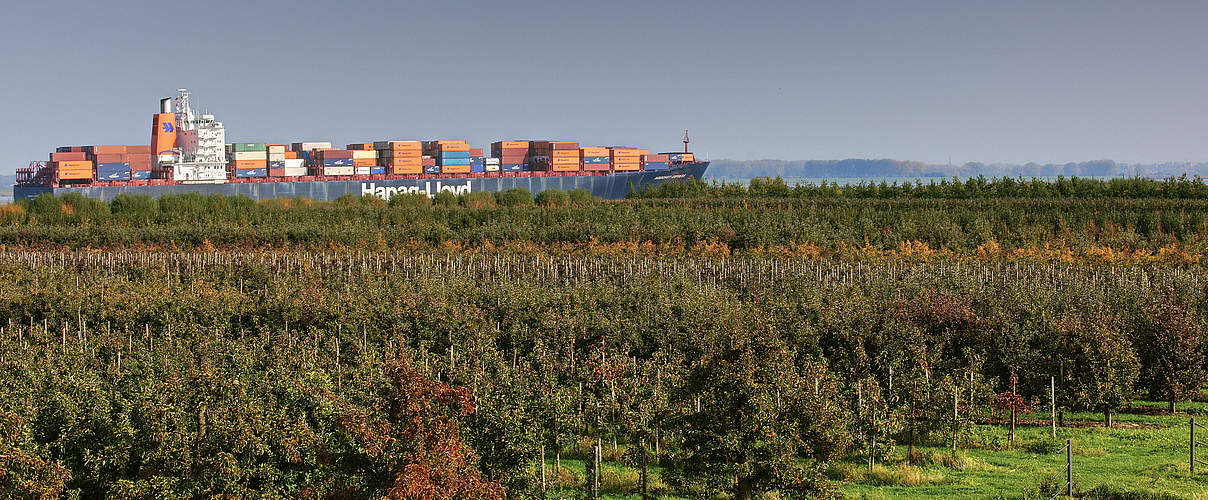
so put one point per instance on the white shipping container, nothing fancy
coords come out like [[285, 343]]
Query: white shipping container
[[363, 170], [295, 163], [276, 157], [276, 149], [307, 146], [491, 167], [338, 170], [364, 155], [294, 171], [250, 155]]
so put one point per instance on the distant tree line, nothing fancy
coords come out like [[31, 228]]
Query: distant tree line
[[888, 168]]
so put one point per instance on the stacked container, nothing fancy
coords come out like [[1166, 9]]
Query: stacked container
[[248, 159], [72, 170], [596, 158], [490, 164], [276, 160], [453, 157], [429, 165], [680, 157], [656, 162], [625, 159], [512, 155], [120, 163], [556, 156], [400, 157], [332, 162], [476, 164]]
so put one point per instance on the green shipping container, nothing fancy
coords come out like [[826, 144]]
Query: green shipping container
[[240, 147]]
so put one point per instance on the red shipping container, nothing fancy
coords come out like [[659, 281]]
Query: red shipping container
[[73, 156], [276, 172], [101, 150]]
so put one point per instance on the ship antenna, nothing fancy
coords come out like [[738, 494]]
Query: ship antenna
[[686, 140]]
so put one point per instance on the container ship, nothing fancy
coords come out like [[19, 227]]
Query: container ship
[[188, 153]]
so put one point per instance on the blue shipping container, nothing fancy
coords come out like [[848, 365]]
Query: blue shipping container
[[595, 159], [453, 161], [477, 168], [337, 162], [276, 164], [305, 155], [454, 154], [125, 165], [377, 170], [113, 175], [657, 165], [251, 172], [431, 169], [675, 157], [475, 160], [140, 174], [511, 167]]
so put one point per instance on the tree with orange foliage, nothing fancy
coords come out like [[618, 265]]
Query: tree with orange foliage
[[413, 444]]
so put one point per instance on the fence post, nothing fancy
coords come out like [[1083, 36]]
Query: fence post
[[1069, 468], [1193, 445], [1053, 405]]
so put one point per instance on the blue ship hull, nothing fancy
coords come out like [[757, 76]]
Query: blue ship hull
[[613, 186]]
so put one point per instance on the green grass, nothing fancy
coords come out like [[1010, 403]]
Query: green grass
[[1144, 457]]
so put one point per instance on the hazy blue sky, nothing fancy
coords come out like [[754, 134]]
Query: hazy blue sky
[[1016, 81]]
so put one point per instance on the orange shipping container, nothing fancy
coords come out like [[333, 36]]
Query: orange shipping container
[[80, 156], [360, 146], [626, 167], [242, 164], [291, 155], [73, 170], [455, 169], [392, 161], [406, 169], [398, 153], [511, 144], [364, 162], [593, 151]]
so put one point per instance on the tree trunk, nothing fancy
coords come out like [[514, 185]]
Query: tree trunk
[[1107, 418], [744, 490], [1171, 403]]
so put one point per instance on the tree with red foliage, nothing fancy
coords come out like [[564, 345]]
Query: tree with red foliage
[[415, 439]]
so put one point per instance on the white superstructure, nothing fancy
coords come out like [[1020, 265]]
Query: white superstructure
[[202, 143]]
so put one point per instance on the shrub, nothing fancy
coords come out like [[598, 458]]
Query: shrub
[[134, 205], [478, 199], [444, 199], [409, 200], [553, 198], [514, 197], [581, 197], [45, 206]]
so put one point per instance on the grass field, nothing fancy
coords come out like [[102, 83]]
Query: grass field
[[1144, 456]]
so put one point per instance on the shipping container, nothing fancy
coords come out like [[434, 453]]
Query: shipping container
[[68, 156], [276, 164], [294, 163], [656, 165], [455, 169], [249, 164], [276, 149], [73, 170], [248, 146], [333, 153], [405, 169], [294, 171], [140, 174], [431, 169], [249, 155], [251, 172], [362, 170], [337, 162], [364, 162], [276, 172], [362, 154], [342, 170], [398, 145], [511, 167], [360, 146], [300, 147]]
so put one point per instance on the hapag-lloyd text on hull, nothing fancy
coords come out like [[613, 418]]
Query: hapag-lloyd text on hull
[[386, 192]]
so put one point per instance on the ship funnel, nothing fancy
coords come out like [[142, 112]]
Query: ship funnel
[[165, 105]]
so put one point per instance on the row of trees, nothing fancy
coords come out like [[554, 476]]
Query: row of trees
[[980, 187], [1176, 230], [350, 375]]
